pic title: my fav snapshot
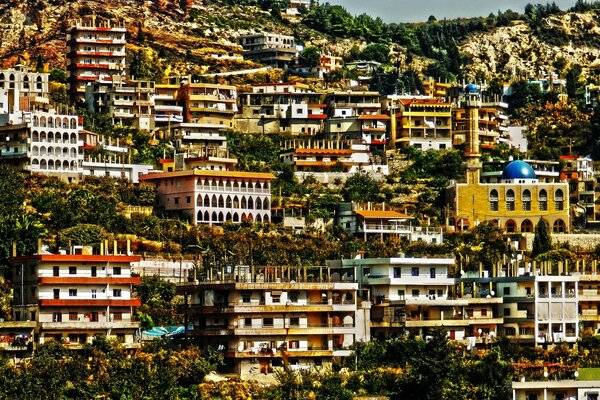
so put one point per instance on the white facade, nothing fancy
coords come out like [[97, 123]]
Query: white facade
[[556, 309]]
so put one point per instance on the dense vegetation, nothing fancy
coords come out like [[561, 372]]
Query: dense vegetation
[[401, 368]]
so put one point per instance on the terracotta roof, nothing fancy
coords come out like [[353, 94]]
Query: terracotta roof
[[373, 116], [324, 151], [317, 116], [382, 214], [203, 172]]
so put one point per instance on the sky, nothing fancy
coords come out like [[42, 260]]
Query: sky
[[420, 10]]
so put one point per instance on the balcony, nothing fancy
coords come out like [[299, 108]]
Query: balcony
[[87, 325], [89, 303], [99, 280]]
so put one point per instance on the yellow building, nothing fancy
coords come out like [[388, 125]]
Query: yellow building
[[515, 203]]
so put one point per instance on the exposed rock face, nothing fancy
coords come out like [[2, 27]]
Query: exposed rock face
[[515, 51]]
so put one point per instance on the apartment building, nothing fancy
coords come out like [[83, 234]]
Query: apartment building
[[579, 173], [212, 196], [272, 49], [73, 297], [35, 138], [95, 51], [325, 155], [167, 110], [260, 317], [288, 107], [422, 122], [128, 102], [327, 63], [352, 115], [209, 104]]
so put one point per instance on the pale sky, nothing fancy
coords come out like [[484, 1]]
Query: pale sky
[[420, 10]]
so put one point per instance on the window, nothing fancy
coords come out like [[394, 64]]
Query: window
[[56, 293], [494, 200], [414, 271], [484, 312], [366, 271], [507, 312], [526, 200], [116, 292], [116, 270], [506, 291], [543, 200], [56, 317], [247, 322], [510, 200], [176, 200], [72, 270], [94, 317], [415, 293], [94, 272], [188, 199], [510, 331], [295, 321], [397, 272], [72, 292], [293, 297], [559, 200], [55, 271], [267, 321], [432, 273], [246, 297], [294, 344], [401, 294], [117, 316], [72, 316], [276, 297]]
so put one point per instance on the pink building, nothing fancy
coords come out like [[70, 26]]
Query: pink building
[[213, 196]]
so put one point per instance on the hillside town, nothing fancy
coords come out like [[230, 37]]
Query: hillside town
[[297, 228]]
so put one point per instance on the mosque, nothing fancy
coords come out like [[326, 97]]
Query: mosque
[[515, 202]]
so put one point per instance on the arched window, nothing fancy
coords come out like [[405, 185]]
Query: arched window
[[236, 217], [236, 202], [214, 201], [214, 217], [250, 203], [206, 201], [494, 200], [543, 200], [559, 226], [1, 81], [38, 84], [25, 82], [221, 201], [228, 203], [258, 218], [511, 227], [510, 200], [228, 217], [221, 216], [206, 217], [266, 219], [559, 200], [526, 226], [258, 204], [244, 204], [266, 205], [526, 199], [199, 216]]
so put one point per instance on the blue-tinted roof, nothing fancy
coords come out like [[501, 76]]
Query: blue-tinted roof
[[518, 170], [471, 88]]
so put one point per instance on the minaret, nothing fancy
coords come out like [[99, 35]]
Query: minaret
[[472, 103]]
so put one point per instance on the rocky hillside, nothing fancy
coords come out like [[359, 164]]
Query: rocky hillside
[[180, 31], [563, 40]]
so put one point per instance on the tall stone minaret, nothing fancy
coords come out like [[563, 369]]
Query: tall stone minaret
[[472, 103]]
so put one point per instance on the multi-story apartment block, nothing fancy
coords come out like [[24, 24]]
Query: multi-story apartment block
[[129, 102], [166, 107], [213, 196], [272, 49], [34, 137], [416, 294], [356, 115], [73, 297], [199, 137], [209, 104], [435, 89], [325, 155], [261, 317], [579, 173], [327, 63], [422, 122], [289, 107], [95, 50]]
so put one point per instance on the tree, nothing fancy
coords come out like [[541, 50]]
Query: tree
[[310, 57], [361, 187], [379, 52], [58, 75], [542, 242]]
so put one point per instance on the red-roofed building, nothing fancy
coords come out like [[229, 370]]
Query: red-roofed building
[[73, 297]]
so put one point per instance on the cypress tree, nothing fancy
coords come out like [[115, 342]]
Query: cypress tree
[[542, 242]]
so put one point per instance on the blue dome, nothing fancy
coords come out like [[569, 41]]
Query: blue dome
[[471, 88], [518, 170]]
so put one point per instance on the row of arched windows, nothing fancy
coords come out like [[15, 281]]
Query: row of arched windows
[[542, 200], [55, 122], [234, 185], [218, 217], [52, 137], [54, 151], [511, 226], [234, 202], [53, 165], [26, 81]]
